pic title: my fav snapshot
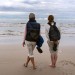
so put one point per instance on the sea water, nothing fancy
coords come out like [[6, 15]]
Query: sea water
[[14, 32]]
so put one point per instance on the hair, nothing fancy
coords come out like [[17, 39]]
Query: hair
[[50, 18], [32, 18]]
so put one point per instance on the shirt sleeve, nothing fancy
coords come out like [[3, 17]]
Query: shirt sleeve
[[47, 31], [25, 32]]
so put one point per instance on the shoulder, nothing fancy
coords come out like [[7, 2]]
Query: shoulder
[[37, 23], [28, 23]]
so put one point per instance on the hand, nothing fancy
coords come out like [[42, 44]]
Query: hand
[[23, 44]]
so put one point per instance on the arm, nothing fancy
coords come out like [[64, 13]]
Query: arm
[[40, 29], [24, 37], [47, 32]]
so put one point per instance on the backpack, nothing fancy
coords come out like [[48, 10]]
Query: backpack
[[54, 33], [33, 31]]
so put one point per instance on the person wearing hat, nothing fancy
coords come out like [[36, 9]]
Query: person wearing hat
[[31, 34]]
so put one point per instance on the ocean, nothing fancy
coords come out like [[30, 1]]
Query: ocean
[[14, 32]]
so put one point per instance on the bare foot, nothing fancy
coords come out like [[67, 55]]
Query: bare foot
[[25, 65], [34, 68], [53, 66]]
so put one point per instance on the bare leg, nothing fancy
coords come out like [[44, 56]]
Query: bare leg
[[52, 60], [33, 63], [55, 55], [28, 59], [55, 59]]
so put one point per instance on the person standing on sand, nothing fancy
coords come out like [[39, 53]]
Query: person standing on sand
[[53, 44], [31, 35]]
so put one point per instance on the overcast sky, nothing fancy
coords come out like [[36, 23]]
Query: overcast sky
[[61, 9], [21, 5]]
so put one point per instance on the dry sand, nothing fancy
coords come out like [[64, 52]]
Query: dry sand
[[13, 56]]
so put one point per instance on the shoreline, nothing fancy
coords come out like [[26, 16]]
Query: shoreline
[[65, 40]]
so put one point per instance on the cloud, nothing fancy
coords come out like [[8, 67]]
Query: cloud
[[31, 2], [11, 13], [61, 9], [22, 5]]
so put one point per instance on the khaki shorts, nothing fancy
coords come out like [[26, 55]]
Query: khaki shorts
[[50, 44], [30, 46]]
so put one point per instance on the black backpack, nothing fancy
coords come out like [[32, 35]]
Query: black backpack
[[33, 31], [54, 33]]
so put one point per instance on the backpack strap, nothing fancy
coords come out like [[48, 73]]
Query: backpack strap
[[55, 27]]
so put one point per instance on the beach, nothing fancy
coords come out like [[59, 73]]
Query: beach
[[13, 55], [14, 17]]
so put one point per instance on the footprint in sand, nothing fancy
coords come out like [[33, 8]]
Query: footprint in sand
[[65, 62], [67, 67]]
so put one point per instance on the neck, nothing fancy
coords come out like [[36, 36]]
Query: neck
[[32, 20], [51, 23]]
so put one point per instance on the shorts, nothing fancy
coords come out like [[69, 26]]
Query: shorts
[[30, 46], [50, 44]]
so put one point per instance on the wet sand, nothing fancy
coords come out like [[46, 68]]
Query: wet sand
[[13, 56]]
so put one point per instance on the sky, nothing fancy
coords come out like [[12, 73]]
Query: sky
[[63, 10]]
